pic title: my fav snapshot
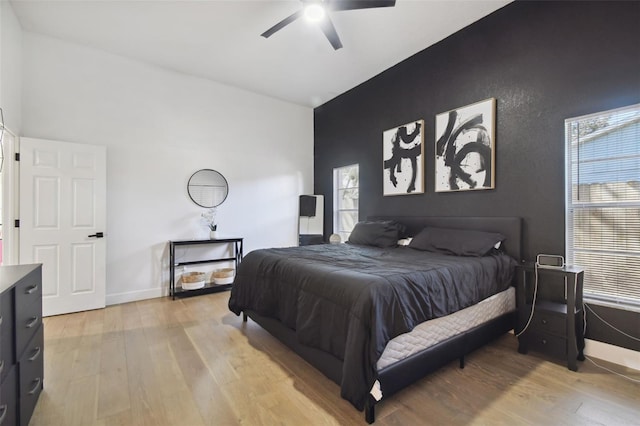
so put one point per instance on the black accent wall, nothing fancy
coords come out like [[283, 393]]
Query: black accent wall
[[543, 61]]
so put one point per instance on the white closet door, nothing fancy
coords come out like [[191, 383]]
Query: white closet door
[[62, 219]]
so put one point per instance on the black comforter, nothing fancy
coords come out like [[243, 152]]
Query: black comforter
[[351, 300]]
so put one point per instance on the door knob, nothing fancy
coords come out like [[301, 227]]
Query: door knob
[[97, 235]]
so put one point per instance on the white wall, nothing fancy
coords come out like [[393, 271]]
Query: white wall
[[160, 127], [10, 67]]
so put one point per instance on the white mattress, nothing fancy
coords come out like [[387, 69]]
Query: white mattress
[[436, 330]]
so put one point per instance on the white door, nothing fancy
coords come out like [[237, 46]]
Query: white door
[[62, 221]]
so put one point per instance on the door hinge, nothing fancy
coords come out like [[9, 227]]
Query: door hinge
[[17, 223], [17, 156]]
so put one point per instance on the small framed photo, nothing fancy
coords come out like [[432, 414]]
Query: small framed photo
[[465, 148], [403, 159]]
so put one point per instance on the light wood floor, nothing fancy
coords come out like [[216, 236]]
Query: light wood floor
[[192, 362]]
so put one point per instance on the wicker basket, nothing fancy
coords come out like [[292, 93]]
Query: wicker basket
[[223, 276], [192, 280]]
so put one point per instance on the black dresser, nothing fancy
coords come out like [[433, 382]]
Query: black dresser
[[21, 342]]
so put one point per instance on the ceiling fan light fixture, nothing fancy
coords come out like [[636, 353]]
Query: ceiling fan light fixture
[[314, 12], [317, 11]]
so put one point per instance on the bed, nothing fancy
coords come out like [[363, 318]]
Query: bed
[[351, 309]]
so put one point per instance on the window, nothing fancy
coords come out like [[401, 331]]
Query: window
[[603, 203], [345, 200]]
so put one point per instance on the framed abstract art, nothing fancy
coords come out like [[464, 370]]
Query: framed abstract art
[[403, 159], [465, 148]]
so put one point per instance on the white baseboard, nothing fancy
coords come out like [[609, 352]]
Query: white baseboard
[[621, 356], [611, 353], [134, 296]]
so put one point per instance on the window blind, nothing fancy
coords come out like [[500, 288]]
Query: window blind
[[603, 203], [345, 200]]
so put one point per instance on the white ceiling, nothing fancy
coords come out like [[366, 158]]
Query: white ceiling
[[220, 39]]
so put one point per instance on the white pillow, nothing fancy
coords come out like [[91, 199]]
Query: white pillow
[[404, 241]]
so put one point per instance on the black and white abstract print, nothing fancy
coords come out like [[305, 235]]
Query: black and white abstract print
[[403, 159], [465, 148]]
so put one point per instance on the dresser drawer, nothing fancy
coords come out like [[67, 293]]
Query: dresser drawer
[[28, 319], [7, 347], [31, 369], [28, 290], [548, 343], [549, 322], [8, 400], [28, 404], [31, 364]]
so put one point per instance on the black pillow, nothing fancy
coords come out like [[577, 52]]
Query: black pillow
[[459, 242], [380, 234]]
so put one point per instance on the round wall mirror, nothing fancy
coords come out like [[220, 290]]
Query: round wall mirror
[[207, 188]]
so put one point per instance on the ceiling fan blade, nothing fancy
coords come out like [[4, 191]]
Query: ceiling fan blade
[[280, 25], [330, 31], [359, 4]]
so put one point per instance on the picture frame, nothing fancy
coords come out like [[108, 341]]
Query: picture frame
[[465, 148], [403, 159]]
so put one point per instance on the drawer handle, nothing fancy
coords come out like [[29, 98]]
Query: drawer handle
[[34, 321], [31, 289], [544, 341], [4, 408], [0, 319], [1, 366], [35, 388], [36, 353]]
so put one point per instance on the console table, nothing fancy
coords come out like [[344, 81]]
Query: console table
[[557, 327], [209, 287]]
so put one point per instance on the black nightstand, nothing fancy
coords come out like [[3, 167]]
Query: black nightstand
[[557, 327]]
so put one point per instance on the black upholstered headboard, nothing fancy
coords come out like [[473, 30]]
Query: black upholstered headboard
[[510, 227]]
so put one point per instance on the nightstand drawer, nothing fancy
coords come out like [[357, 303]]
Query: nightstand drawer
[[549, 322], [548, 343]]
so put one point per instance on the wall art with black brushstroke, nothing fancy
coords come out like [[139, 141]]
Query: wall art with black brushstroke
[[465, 148], [403, 159]]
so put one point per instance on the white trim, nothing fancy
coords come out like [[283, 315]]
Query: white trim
[[10, 204], [7, 130], [592, 300], [134, 296], [611, 353], [597, 114]]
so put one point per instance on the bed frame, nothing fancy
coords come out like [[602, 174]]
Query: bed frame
[[403, 373]]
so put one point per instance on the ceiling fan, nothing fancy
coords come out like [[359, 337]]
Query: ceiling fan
[[317, 10]]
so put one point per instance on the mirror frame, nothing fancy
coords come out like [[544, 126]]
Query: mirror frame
[[208, 170]]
